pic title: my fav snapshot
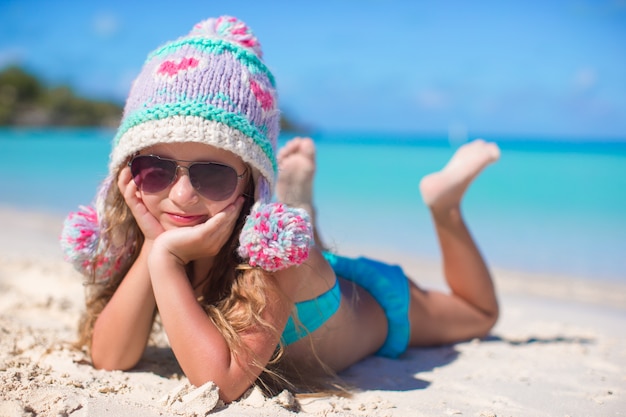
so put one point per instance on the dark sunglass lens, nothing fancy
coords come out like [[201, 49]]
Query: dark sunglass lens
[[152, 174], [214, 181]]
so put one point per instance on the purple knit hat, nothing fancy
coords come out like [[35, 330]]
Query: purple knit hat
[[212, 87]]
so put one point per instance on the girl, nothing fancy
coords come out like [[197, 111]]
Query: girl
[[184, 227]]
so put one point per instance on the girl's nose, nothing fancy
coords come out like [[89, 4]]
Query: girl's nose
[[182, 192]]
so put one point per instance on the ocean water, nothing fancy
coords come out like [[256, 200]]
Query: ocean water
[[546, 206]]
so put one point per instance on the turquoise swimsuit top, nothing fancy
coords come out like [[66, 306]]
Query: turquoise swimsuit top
[[312, 314]]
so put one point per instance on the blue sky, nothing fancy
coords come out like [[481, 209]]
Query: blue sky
[[513, 68]]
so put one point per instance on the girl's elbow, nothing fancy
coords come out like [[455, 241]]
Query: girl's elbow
[[494, 316], [488, 322], [110, 363], [229, 391], [229, 397]]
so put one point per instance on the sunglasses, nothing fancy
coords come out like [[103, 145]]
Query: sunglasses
[[211, 180]]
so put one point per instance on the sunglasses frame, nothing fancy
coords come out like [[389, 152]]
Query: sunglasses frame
[[187, 167]]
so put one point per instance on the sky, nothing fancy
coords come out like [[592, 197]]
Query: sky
[[534, 68]]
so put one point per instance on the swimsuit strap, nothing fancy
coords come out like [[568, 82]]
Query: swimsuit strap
[[312, 314]]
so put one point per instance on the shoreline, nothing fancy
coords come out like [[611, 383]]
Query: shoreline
[[558, 349]]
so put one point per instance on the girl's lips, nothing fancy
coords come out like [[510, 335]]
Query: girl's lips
[[186, 220]]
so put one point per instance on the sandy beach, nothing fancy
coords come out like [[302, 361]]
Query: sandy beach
[[559, 349]]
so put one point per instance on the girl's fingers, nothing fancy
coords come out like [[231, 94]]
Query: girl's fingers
[[124, 178], [149, 225], [219, 227], [226, 219], [127, 186], [205, 239]]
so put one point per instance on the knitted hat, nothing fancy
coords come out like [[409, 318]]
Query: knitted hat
[[211, 87], [208, 87]]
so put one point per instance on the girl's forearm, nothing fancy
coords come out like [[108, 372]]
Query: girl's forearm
[[123, 327], [199, 346]]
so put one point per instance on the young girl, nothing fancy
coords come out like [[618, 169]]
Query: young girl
[[185, 228]]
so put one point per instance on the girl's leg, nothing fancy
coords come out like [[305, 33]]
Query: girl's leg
[[296, 171], [471, 309]]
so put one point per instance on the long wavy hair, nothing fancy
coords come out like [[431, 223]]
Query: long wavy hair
[[234, 297]]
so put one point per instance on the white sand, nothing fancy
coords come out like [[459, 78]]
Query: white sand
[[558, 350]]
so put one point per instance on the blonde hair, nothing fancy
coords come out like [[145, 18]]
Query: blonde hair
[[234, 298]]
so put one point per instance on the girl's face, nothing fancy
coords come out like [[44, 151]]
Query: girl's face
[[180, 204]]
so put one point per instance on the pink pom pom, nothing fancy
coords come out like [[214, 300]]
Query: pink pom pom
[[80, 235], [276, 237], [80, 240], [230, 29]]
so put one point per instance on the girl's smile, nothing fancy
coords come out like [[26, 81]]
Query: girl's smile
[[183, 220]]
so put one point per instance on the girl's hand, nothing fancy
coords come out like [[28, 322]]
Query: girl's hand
[[148, 224], [203, 240]]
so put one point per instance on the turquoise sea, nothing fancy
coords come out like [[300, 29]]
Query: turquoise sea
[[554, 206]]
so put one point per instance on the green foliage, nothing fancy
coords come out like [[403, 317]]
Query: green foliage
[[290, 126], [25, 101], [287, 125]]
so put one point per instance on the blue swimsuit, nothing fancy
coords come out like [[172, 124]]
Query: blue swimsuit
[[386, 283]]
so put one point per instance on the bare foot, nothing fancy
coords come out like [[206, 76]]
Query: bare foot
[[444, 189], [296, 168]]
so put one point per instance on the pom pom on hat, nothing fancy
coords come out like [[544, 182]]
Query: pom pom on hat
[[230, 29], [80, 240], [276, 237]]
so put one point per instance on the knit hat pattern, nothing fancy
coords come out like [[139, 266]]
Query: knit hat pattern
[[210, 86]]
